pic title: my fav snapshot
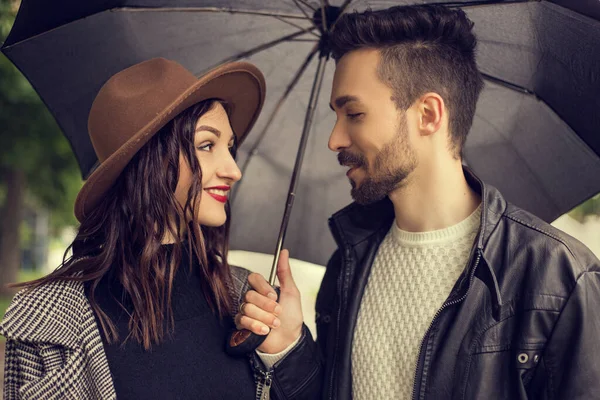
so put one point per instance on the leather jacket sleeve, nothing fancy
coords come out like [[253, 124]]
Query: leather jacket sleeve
[[572, 356], [300, 375]]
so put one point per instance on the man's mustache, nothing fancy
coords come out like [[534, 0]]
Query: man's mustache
[[345, 158]]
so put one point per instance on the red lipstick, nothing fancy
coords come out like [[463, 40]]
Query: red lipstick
[[218, 197]]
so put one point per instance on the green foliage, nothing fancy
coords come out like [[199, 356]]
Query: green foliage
[[586, 209], [24, 276], [26, 234], [30, 139]]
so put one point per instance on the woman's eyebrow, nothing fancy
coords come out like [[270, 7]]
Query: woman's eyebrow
[[209, 129]]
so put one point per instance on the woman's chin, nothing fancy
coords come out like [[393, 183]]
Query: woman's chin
[[213, 221]]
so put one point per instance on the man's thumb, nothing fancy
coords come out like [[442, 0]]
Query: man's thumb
[[284, 272]]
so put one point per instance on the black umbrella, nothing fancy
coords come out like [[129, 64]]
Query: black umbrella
[[535, 134]]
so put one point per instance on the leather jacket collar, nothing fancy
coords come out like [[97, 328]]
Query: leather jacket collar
[[357, 223]]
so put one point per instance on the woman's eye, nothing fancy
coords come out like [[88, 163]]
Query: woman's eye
[[206, 147]]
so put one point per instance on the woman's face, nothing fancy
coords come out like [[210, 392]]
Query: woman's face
[[213, 141]]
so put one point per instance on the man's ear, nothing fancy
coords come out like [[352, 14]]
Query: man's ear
[[431, 111]]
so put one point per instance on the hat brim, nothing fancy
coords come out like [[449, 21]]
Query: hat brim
[[241, 85]]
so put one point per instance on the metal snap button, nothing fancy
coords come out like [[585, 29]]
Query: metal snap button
[[523, 358], [536, 358]]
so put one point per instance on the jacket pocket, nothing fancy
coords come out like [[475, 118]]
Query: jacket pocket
[[527, 360], [504, 357], [502, 372]]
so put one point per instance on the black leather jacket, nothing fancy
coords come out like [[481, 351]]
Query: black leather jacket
[[522, 322]]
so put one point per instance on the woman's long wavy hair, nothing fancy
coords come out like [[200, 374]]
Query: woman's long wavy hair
[[124, 234]]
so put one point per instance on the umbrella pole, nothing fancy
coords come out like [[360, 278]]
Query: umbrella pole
[[243, 341], [310, 113]]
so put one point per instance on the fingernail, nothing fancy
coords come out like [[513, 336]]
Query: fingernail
[[272, 295], [277, 310], [264, 330], [276, 323]]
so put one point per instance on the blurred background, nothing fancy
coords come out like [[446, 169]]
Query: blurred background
[[40, 178]]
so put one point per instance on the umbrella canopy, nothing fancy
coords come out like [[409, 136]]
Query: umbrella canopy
[[535, 135]]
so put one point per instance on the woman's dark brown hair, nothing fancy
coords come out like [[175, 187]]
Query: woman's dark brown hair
[[123, 236]]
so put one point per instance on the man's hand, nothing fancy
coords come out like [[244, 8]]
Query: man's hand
[[263, 315]]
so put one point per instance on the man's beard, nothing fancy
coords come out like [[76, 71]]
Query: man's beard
[[392, 165]]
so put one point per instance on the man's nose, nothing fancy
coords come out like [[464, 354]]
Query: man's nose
[[339, 139]]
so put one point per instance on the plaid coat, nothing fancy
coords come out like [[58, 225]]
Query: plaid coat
[[53, 346]]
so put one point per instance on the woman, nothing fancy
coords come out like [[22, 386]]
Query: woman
[[143, 306]]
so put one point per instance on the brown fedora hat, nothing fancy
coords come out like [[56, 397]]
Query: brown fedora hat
[[134, 104]]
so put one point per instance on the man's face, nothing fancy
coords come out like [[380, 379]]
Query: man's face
[[371, 135]]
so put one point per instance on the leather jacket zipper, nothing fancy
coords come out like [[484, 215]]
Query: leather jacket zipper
[[263, 387], [418, 370], [263, 379], [337, 329]]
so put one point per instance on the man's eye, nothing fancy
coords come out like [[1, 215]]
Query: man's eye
[[206, 147], [355, 116]]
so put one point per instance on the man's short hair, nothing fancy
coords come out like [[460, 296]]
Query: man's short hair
[[424, 49]]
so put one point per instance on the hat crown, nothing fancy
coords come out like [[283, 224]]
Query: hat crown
[[131, 99]]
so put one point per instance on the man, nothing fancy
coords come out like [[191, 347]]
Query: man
[[439, 289]]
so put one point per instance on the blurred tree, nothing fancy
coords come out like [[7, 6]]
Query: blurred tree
[[36, 162], [584, 210]]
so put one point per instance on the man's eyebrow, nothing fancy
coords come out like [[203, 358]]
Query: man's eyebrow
[[342, 100]]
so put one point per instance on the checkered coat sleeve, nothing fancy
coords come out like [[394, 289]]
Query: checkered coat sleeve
[[53, 346]]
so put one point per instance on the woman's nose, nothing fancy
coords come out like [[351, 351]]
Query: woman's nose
[[230, 170]]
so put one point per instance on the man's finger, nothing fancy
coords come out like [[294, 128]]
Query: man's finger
[[284, 272]]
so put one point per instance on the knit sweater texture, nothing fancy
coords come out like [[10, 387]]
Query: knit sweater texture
[[411, 278]]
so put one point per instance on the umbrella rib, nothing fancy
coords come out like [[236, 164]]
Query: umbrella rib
[[507, 84], [535, 176], [213, 9], [303, 11], [479, 3], [295, 25], [324, 15], [343, 8], [263, 46], [307, 5], [346, 3], [275, 111], [526, 91]]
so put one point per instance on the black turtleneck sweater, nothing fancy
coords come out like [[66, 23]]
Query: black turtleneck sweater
[[192, 364]]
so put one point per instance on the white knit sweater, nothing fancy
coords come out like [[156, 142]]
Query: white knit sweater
[[412, 276]]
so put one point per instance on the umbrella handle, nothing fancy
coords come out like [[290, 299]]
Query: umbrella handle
[[243, 341]]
